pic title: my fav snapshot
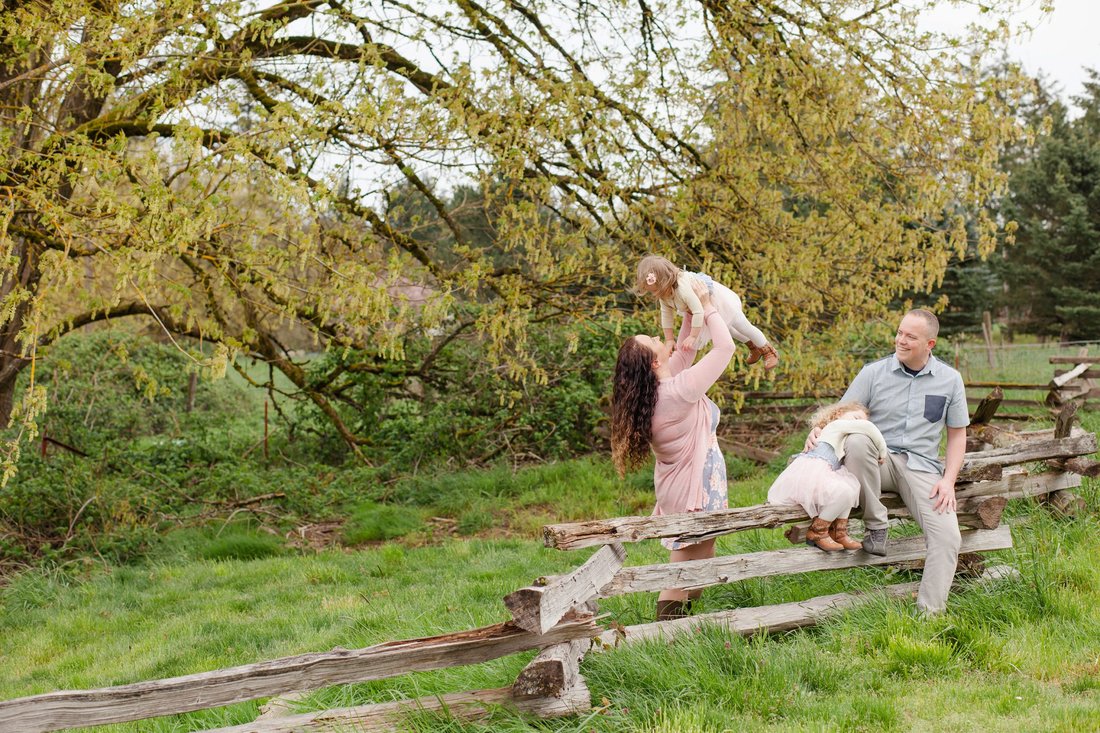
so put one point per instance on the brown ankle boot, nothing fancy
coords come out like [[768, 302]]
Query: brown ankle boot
[[669, 610], [771, 358], [818, 536], [766, 352], [838, 530]]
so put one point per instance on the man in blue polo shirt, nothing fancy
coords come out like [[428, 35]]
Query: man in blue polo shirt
[[911, 397]]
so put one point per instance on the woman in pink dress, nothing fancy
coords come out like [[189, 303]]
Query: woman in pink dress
[[659, 404], [818, 482]]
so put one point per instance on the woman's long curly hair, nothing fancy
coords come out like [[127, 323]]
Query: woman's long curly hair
[[633, 401]]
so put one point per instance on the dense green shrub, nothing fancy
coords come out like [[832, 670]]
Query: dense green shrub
[[467, 411], [108, 387], [121, 400], [58, 509]]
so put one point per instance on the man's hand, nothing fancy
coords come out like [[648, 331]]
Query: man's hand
[[811, 439], [944, 494]]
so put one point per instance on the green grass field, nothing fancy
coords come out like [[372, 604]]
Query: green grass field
[[1018, 655]]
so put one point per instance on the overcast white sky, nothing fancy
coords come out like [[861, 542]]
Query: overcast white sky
[[1063, 42]]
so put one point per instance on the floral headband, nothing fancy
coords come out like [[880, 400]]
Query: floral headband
[[651, 279]]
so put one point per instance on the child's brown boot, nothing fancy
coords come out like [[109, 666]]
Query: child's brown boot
[[771, 358], [766, 352], [818, 536], [838, 530]]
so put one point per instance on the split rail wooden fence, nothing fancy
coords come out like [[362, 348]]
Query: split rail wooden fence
[[557, 615]]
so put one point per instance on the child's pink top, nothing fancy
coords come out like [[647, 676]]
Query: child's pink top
[[682, 419]]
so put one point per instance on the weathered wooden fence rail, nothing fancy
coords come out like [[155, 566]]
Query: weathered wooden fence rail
[[70, 709], [557, 615], [1074, 385]]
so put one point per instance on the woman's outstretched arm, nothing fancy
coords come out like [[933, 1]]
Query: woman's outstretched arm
[[699, 378]]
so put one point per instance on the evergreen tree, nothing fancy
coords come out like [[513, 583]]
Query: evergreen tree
[[1052, 272]]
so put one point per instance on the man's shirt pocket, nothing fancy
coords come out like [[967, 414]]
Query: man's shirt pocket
[[934, 405]]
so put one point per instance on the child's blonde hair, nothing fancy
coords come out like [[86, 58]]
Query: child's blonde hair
[[664, 275], [828, 413]]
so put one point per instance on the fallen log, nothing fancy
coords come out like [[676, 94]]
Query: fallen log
[[693, 574], [538, 608], [390, 715], [79, 708]]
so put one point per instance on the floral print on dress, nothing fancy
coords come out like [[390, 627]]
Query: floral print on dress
[[715, 487]]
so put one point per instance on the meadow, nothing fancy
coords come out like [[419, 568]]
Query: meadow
[[427, 554]]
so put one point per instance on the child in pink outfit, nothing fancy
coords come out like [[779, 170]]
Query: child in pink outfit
[[673, 289], [818, 482]]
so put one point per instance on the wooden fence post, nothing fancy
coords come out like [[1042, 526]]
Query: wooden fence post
[[538, 608], [987, 332]]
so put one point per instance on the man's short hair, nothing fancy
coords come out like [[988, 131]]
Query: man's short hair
[[929, 319]]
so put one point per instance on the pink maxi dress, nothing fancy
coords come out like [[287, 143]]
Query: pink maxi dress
[[690, 472]]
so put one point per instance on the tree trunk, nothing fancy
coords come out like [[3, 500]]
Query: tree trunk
[[7, 395]]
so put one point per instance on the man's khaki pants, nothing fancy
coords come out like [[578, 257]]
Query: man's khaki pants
[[941, 531]]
